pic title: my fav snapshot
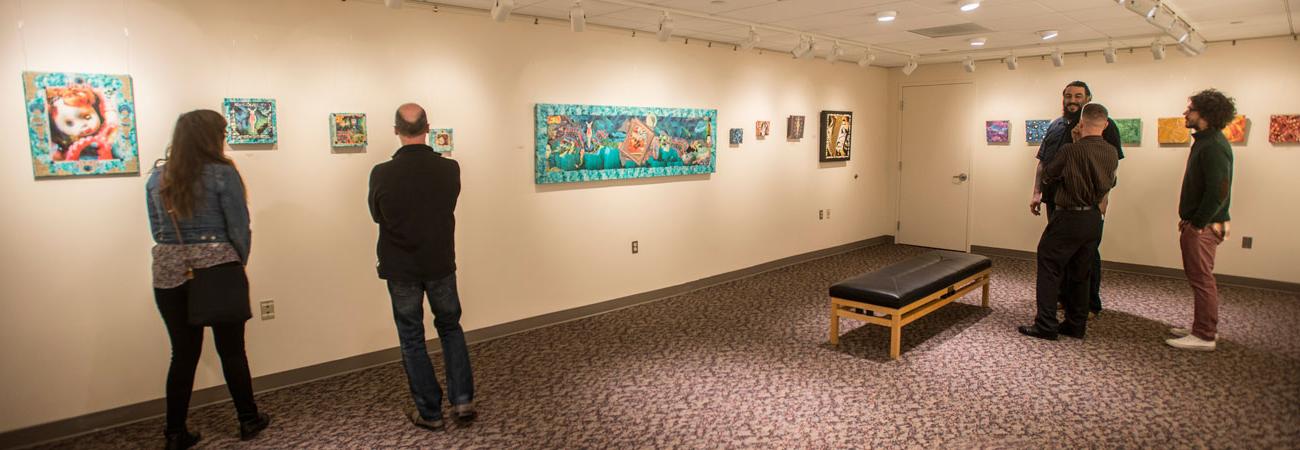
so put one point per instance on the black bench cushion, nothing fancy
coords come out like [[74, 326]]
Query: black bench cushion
[[902, 283]]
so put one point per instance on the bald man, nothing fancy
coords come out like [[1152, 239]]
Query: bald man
[[413, 199]]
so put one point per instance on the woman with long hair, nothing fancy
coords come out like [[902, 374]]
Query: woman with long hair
[[198, 214]]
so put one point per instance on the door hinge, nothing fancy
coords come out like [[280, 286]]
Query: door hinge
[[900, 165], [898, 226], [900, 105]]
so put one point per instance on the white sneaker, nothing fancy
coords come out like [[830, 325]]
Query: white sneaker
[[1180, 332], [1191, 342]]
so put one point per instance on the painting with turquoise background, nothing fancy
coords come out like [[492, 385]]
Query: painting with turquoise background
[[589, 142], [80, 124], [250, 121], [1036, 130]]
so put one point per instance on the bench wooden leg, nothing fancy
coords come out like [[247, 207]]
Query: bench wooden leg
[[986, 291], [895, 335], [835, 326]]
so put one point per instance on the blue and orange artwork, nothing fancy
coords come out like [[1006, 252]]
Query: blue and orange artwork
[[250, 120], [998, 131], [440, 140], [589, 142], [737, 136], [1036, 130], [80, 124]]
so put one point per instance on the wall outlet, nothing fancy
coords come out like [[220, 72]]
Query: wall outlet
[[268, 309], [828, 213], [636, 247], [1247, 242], [821, 214]]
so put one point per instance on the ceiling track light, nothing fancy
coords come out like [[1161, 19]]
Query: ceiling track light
[[804, 47], [968, 65], [501, 10], [1157, 50], [1193, 46], [867, 59], [812, 49], [968, 5], [1109, 54], [1012, 62], [910, 67], [1048, 34], [665, 28], [1058, 58], [577, 17], [835, 54], [751, 41], [886, 16]]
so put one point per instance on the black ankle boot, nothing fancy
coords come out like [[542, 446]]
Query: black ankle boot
[[250, 429], [182, 440]]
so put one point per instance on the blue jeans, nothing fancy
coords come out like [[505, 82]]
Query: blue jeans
[[408, 314]]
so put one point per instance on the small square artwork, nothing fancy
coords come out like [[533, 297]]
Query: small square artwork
[[1236, 130], [1172, 130], [348, 130], [762, 128], [794, 127], [80, 124], [1284, 128], [737, 136], [1036, 130], [836, 135], [998, 131], [1130, 131], [250, 121], [440, 140]]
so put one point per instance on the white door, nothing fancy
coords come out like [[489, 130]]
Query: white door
[[934, 196]]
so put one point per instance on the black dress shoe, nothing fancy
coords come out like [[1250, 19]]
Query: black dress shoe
[[182, 441], [1033, 331], [250, 429], [1067, 330]]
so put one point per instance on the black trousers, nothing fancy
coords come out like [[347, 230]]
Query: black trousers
[[1094, 280], [187, 344], [1066, 254]]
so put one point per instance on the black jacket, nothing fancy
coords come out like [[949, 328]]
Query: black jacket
[[413, 199]]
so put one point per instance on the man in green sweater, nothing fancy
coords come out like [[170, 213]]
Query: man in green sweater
[[1203, 212]]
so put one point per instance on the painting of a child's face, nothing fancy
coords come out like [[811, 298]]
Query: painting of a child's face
[[74, 121], [81, 123]]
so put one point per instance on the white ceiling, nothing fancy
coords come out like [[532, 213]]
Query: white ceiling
[[1084, 25]]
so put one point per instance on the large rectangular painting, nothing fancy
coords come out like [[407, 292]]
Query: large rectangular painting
[[348, 130], [997, 131], [440, 140], [1284, 128], [588, 142], [794, 127], [836, 135], [1172, 130], [80, 124], [1036, 131], [1130, 131], [1236, 130], [250, 120]]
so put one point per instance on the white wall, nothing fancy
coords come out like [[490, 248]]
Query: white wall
[[78, 328], [1143, 214]]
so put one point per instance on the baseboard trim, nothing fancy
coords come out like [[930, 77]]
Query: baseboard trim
[[125, 415], [1167, 272]]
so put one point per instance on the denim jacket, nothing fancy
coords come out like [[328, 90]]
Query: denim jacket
[[221, 214]]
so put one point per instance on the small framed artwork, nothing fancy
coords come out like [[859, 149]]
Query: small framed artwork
[[80, 124], [762, 128], [794, 127], [998, 132], [250, 121], [1236, 130], [1036, 130], [1284, 128], [737, 136], [1130, 131], [1172, 130], [440, 140], [348, 130], [836, 135]]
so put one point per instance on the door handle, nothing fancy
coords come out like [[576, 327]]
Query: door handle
[[960, 178]]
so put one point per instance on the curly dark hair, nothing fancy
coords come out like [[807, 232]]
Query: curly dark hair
[[1217, 109]]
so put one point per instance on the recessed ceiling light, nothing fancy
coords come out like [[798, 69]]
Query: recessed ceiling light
[[978, 42], [718, 2], [886, 16], [1048, 34], [969, 5]]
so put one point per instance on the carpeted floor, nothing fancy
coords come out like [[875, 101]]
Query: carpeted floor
[[747, 365]]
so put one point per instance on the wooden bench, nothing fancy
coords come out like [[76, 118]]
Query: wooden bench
[[906, 291]]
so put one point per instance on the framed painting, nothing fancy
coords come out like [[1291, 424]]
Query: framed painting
[[1284, 128], [998, 131], [737, 136], [1172, 130], [440, 140], [1130, 131], [836, 135], [762, 128], [589, 142], [1036, 130], [794, 127], [1236, 130], [81, 124], [348, 130], [250, 120]]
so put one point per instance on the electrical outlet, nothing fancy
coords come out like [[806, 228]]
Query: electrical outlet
[[1247, 242], [636, 247], [821, 214], [828, 213], [268, 309]]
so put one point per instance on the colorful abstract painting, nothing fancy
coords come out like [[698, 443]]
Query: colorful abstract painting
[[1284, 129], [348, 130], [440, 140], [794, 127], [80, 124], [1036, 130], [762, 128], [836, 135], [1130, 131], [587, 143], [737, 136], [1236, 130], [250, 120], [1172, 130], [998, 131]]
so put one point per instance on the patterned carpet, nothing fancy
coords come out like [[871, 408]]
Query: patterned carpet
[[747, 365]]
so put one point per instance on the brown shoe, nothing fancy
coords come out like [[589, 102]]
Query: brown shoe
[[464, 413], [420, 421]]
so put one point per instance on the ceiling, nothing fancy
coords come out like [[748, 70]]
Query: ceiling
[[1084, 25]]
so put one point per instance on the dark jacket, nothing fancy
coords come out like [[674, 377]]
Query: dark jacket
[[413, 199], [1207, 183], [220, 213], [1082, 173], [1058, 136]]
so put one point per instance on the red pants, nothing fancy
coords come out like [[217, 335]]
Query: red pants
[[1198, 264]]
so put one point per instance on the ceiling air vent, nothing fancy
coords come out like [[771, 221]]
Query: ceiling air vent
[[960, 29]]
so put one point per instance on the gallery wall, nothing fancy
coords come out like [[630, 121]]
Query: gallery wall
[[1143, 214], [78, 328]]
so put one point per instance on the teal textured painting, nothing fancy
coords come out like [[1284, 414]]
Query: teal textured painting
[[80, 124], [1036, 130], [250, 121], [589, 142], [440, 140]]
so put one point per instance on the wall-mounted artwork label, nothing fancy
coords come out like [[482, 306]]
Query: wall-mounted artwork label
[[250, 120], [589, 142], [1284, 128], [440, 140], [836, 135], [737, 136], [794, 127], [762, 128], [1130, 131], [80, 124], [1236, 130], [348, 130], [998, 131], [1036, 130], [1172, 130]]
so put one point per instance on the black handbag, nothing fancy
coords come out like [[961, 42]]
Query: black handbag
[[216, 295]]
